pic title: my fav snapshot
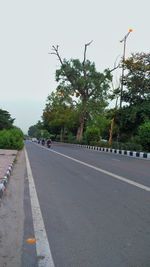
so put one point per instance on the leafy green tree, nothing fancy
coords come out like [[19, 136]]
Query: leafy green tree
[[129, 118], [137, 79], [6, 122], [58, 115], [102, 123], [135, 96], [33, 131], [81, 80], [38, 131]]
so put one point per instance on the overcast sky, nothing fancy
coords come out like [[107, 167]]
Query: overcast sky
[[29, 28]]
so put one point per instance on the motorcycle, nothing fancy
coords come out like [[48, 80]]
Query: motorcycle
[[49, 142], [43, 142]]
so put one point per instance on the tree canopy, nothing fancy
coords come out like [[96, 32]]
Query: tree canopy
[[137, 79], [79, 104], [81, 80], [59, 114], [6, 122], [135, 96]]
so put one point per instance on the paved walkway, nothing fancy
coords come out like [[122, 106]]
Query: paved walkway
[[7, 158], [12, 217]]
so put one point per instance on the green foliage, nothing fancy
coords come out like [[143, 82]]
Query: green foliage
[[128, 146], [81, 80], [59, 114], [92, 134], [79, 104], [129, 118], [144, 134], [136, 95], [38, 131], [44, 134], [137, 79], [6, 122], [11, 139], [101, 122], [71, 138], [33, 131]]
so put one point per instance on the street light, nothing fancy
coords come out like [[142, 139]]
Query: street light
[[123, 60]]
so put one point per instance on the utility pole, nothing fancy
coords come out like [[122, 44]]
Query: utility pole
[[123, 61]]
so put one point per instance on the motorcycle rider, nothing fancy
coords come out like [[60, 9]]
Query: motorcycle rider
[[49, 142], [43, 142]]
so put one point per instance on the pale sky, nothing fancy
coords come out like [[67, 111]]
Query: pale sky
[[29, 28]]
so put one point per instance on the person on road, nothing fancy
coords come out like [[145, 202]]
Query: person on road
[[49, 142], [43, 142]]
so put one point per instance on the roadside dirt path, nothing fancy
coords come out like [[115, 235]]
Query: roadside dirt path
[[12, 216]]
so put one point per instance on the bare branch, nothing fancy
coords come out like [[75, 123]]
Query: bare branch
[[89, 43], [83, 64], [52, 54], [85, 48], [56, 53], [115, 68]]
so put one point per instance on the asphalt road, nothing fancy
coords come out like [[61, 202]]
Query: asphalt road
[[92, 218]]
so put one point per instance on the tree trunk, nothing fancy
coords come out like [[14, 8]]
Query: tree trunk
[[62, 134], [80, 130], [111, 132]]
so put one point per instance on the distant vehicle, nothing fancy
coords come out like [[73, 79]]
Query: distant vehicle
[[43, 142], [34, 139], [49, 142]]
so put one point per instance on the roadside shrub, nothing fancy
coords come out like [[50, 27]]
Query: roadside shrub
[[71, 138], [92, 134], [11, 139], [99, 143], [127, 146], [52, 136], [144, 134]]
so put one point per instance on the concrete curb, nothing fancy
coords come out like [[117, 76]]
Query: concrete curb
[[4, 178], [134, 154]]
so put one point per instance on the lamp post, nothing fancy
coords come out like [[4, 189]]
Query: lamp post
[[123, 60]]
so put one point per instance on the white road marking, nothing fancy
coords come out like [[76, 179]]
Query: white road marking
[[42, 245], [116, 159], [121, 178]]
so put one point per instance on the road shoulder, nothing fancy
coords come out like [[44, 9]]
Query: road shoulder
[[12, 216]]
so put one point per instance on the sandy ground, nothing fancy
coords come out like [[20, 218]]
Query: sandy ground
[[12, 216]]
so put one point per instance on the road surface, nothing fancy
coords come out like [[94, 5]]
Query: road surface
[[95, 206]]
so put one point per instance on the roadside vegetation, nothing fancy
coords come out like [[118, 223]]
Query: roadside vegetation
[[11, 137], [78, 110]]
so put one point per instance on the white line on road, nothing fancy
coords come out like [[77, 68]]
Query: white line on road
[[116, 159], [121, 178], [42, 245]]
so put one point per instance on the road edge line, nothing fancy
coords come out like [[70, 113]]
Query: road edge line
[[44, 254]]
